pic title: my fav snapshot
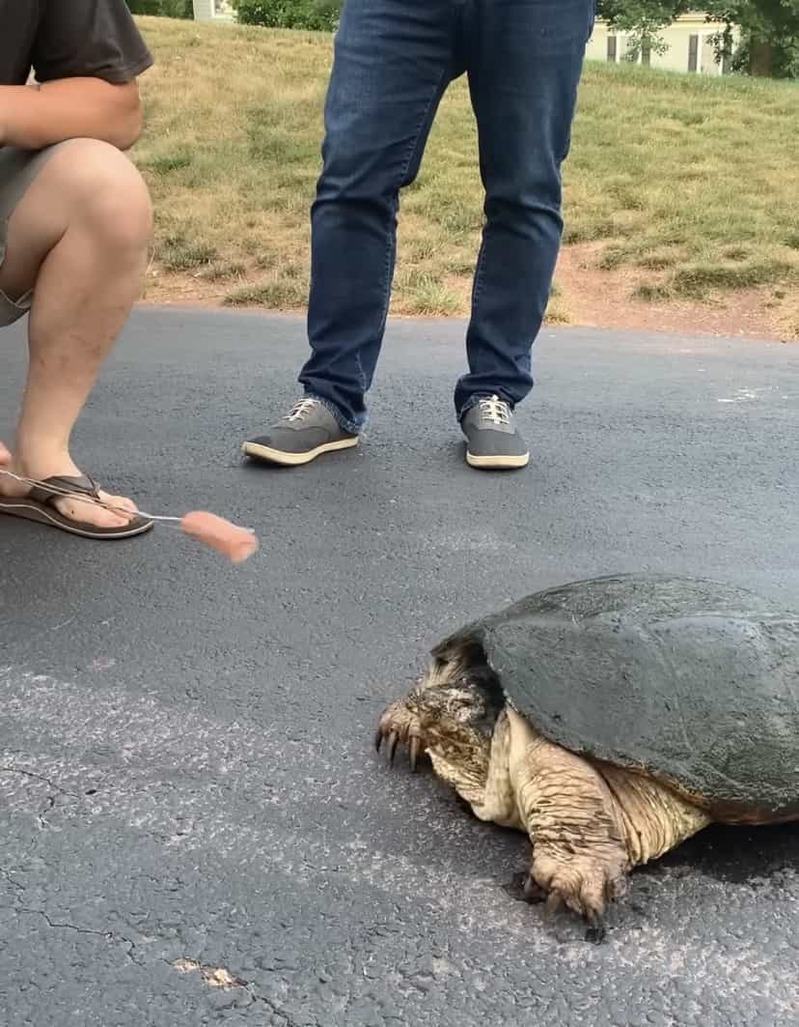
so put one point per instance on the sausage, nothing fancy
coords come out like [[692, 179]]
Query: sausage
[[237, 544]]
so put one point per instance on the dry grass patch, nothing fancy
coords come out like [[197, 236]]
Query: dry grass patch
[[689, 182]]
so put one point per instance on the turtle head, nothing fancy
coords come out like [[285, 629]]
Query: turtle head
[[451, 713], [463, 689]]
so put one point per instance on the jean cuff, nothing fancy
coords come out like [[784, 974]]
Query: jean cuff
[[348, 426]]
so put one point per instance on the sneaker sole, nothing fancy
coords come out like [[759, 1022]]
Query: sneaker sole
[[497, 463], [277, 456]]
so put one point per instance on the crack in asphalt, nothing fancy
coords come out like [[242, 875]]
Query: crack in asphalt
[[38, 777], [41, 817], [6, 875], [109, 936]]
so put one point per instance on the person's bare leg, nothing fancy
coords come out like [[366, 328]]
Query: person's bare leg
[[80, 238]]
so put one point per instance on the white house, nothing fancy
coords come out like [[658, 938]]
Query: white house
[[208, 10], [688, 40]]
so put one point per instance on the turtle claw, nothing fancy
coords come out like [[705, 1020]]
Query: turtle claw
[[583, 884], [399, 724], [517, 887], [523, 888], [595, 932], [554, 902]]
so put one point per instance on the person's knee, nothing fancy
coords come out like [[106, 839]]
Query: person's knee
[[108, 197]]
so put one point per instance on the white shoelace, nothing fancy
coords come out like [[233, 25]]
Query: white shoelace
[[495, 409], [301, 409]]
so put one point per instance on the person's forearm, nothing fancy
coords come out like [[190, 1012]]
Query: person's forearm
[[32, 118]]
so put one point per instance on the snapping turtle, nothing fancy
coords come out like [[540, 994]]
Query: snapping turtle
[[611, 719]]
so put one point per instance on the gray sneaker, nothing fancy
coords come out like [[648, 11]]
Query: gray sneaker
[[307, 431], [493, 441]]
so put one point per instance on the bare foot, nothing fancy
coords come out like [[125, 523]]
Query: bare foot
[[75, 509]]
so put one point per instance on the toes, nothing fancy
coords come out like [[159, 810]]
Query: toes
[[120, 503], [413, 752], [393, 739], [90, 513], [104, 511]]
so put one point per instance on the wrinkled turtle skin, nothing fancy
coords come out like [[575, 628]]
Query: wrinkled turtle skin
[[694, 682]]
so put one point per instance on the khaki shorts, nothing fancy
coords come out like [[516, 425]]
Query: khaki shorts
[[18, 168]]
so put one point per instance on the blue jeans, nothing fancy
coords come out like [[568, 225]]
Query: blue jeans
[[393, 60]]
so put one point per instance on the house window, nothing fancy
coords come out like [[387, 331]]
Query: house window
[[646, 52], [693, 52], [612, 49]]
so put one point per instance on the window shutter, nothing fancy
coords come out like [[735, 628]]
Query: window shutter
[[693, 52]]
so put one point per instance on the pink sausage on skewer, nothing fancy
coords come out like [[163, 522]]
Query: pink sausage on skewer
[[237, 544]]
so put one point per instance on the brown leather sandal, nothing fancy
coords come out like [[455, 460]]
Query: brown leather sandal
[[39, 506]]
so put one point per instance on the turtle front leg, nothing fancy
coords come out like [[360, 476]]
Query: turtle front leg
[[590, 824], [580, 857]]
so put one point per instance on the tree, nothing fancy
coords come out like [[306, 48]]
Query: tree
[[769, 30], [641, 21], [769, 35]]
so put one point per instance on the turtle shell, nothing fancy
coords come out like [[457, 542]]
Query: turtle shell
[[692, 681]]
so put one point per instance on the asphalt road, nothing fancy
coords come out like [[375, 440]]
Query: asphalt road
[[187, 779]]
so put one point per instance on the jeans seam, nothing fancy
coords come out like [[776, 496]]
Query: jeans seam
[[391, 255]]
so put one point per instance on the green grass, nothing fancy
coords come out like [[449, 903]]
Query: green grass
[[690, 182]]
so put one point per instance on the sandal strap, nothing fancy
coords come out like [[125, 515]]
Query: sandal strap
[[54, 488]]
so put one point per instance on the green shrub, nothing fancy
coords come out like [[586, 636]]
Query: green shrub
[[177, 9], [163, 8], [144, 6], [311, 15]]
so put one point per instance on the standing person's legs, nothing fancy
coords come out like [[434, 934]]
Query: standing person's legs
[[524, 61], [393, 60], [76, 227]]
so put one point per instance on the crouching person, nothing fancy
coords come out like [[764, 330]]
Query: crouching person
[[75, 230]]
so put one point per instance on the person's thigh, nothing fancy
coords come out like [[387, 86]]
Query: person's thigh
[[392, 61], [79, 181], [525, 59], [18, 171]]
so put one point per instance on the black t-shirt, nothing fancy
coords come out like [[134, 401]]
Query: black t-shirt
[[68, 38]]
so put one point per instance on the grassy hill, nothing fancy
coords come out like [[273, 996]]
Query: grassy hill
[[685, 186]]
